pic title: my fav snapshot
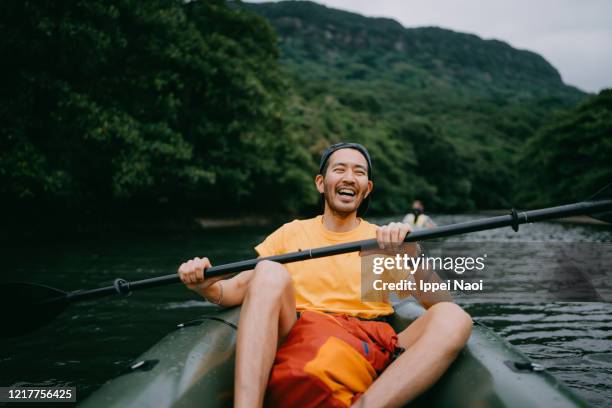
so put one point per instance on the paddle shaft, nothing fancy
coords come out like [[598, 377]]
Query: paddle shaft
[[514, 219]]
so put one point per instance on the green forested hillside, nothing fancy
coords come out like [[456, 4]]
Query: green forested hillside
[[207, 107], [137, 103], [450, 111], [570, 155]]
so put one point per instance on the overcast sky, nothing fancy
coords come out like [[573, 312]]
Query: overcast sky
[[573, 35]]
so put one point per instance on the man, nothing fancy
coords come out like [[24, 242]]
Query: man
[[271, 294], [417, 219]]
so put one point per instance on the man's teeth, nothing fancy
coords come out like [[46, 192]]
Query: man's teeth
[[345, 191]]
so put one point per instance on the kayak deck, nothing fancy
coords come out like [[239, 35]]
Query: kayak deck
[[194, 366]]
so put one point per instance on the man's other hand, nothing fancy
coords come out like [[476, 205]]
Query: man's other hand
[[392, 236]]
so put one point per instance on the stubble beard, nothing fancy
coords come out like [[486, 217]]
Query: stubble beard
[[329, 192]]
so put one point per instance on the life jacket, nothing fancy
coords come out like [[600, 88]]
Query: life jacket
[[420, 221]]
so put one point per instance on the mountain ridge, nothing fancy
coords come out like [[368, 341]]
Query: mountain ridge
[[441, 51], [446, 113]]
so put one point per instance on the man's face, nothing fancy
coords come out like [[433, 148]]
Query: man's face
[[346, 183]]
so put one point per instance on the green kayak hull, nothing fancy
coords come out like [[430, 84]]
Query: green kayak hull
[[194, 366]]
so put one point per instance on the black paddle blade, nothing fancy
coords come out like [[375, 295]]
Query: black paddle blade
[[603, 194], [26, 307]]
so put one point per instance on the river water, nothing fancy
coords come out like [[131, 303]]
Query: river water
[[93, 341]]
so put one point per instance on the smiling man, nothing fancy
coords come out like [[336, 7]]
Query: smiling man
[[336, 350]]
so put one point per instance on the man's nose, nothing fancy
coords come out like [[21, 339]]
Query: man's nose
[[349, 177]]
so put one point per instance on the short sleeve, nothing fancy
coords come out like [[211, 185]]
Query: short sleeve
[[273, 244]]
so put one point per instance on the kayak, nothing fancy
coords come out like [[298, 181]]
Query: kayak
[[194, 366]]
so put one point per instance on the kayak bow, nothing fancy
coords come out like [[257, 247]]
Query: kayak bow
[[194, 366]]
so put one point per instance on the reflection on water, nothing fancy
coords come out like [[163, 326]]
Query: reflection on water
[[93, 341], [573, 340]]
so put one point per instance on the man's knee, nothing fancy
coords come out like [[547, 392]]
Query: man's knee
[[270, 279], [452, 322]]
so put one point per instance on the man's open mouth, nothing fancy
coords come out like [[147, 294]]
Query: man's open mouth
[[347, 192]]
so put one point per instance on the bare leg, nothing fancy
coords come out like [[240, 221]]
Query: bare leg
[[267, 316], [432, 343]]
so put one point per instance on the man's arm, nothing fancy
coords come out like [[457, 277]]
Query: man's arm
[[224, 292], [391, 237], [428, 299]]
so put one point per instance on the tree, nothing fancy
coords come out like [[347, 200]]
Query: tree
[[140, 101], [569, 158]]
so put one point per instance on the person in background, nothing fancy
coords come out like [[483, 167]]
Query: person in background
[[417, 219]]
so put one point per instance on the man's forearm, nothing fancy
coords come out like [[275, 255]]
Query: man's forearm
[[428, 299], [228, 292]]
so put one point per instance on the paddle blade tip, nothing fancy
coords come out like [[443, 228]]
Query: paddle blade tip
[[27, 306], [603, 194]]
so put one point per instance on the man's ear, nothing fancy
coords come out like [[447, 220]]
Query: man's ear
[[370, 188], [319, 183]]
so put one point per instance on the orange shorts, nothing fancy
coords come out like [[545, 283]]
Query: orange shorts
[[329, 360]]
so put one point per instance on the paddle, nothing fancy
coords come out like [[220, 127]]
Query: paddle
[[27, 306]]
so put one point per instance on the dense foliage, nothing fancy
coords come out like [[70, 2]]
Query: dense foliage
[[132, 102], [570, 156], [207, 106], [448, 112]]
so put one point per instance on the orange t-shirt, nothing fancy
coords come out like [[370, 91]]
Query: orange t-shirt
[[329, 284]]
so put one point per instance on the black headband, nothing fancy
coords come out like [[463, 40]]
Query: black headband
[[331, 149]]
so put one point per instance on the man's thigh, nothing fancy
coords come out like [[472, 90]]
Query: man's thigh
[[411, 334], [445, 318], [287, 315]]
